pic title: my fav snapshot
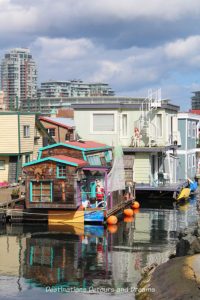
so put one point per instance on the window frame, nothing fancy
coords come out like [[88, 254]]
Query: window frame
[[103, 113], [92, 156], [58, 175], [122, 123], [194, 130], [193, 160], [49, 129], [158, 128], [41, 195], [26, 131]]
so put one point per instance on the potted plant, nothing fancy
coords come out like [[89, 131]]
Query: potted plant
[[15, 193]]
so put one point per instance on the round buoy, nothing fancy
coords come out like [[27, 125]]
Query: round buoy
[[128, 219], [135, 204], [128, 212], [112, 228], [112, 220]]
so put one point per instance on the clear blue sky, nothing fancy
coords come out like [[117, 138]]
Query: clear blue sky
[[133, 45]]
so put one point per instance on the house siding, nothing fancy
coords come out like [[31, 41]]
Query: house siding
[[8, 134], [141, 168], [27, 143], [4, 173]]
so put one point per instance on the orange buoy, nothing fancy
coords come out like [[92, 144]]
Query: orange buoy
[[135, 204], [112, 228], [112, 220], [128, 219], [128, 212]]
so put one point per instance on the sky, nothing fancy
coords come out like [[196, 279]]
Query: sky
[[134, 45]]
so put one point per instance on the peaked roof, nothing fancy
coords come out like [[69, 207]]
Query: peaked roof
[[64, 159], [82, 146], [63, 122]]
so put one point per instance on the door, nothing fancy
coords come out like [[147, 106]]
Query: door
[[12, 172]]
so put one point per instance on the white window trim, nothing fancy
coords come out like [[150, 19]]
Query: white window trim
[[193, 159], [24, 131], [189, 128], [121, 125], [189, 161], [194, 130], [160, 136], [103, 113]]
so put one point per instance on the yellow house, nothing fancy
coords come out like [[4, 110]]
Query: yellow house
[[21, 136]]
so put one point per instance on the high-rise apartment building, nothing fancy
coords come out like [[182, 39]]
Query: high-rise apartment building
[[73, 88], [196, 100], [18, 77]]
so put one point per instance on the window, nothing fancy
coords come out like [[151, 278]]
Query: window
[[189, 161], [41, 191], [108, 156], [94, 160], [189, 129], [61, 171], [124, 124], [193, 129], [103, 122], [27, 158], [51, 132], [193, 160], [26, 131], [159, 125], [2, 164]]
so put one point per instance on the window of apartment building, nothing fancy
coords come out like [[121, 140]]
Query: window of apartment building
[[124, 125], [159, 125], [103, 122], [2, 164], [51, 132], [26, 131], [193, 129]]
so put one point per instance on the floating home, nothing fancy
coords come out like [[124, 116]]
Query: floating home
[[148, 131], [69, 183]]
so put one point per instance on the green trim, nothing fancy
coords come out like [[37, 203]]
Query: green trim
[[31, 191], [75, 147], [84, 156], [57, 172], [41, 182], [34, 162]]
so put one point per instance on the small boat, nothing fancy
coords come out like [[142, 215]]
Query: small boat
[[184, 194]]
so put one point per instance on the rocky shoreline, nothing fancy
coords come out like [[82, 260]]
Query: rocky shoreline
[[177, 279]]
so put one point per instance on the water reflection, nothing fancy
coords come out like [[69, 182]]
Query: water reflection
[[89, 256]]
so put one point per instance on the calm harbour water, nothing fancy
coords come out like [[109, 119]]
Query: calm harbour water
[[91, 262]]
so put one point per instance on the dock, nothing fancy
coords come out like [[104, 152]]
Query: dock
[[168, 190]]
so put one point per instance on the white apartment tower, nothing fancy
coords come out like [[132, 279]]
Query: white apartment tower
[[18, 77]]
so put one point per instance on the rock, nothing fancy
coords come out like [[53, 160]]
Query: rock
[[177, 279]]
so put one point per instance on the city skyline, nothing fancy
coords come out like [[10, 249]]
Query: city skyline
[[133, 46]]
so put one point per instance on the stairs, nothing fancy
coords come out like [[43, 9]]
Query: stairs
[[151, 103]]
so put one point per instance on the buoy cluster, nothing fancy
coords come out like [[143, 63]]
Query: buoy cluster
[[128, 217]]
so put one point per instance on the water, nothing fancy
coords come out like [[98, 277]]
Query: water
[[42, 262]]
